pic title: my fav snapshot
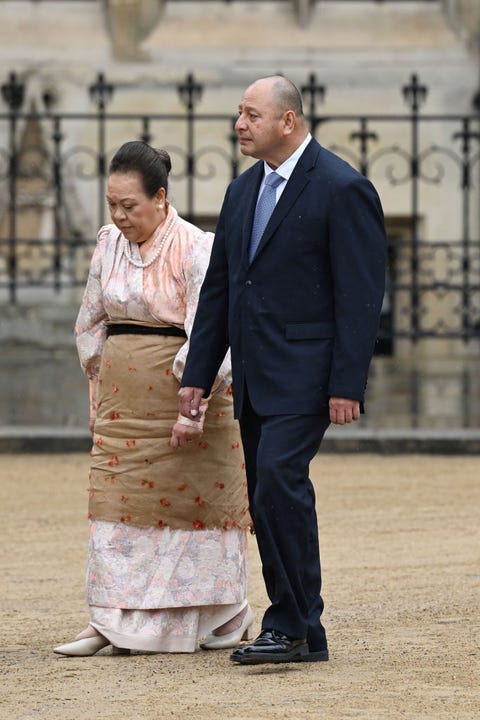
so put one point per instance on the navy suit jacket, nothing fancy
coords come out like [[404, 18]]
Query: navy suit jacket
[[302, 318]]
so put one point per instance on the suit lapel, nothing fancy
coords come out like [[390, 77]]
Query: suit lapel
[[250, 204]]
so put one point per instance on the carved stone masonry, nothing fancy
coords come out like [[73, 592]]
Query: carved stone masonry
[[303, 10], [129, 22]]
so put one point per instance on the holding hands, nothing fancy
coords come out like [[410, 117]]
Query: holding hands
[[189, 424]]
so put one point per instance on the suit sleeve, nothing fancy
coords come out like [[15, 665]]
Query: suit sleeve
[[209, 336], [195, 264], [358, 256]]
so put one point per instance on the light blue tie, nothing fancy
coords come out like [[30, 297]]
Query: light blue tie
[[264, 209]]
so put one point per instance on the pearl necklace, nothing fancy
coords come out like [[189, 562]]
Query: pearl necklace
[[140, 263]]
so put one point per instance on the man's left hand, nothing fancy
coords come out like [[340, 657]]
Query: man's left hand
[[343, 410]]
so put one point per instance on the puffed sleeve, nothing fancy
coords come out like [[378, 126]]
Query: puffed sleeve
[[195, 266], [90, 331]]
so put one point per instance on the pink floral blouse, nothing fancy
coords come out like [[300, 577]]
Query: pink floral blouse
[[163, 293]]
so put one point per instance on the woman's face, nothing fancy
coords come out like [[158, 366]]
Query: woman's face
[[133, 212]]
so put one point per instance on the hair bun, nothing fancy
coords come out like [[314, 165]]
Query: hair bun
[[165, 158]]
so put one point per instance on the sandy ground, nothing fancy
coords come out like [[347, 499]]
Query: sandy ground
[[401, 558]]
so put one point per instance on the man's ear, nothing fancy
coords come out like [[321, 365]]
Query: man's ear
[[289, 122]]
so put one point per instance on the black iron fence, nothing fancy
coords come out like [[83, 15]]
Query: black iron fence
[[425, 166]]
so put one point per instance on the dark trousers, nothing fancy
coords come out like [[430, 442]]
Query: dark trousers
[[278, 450]]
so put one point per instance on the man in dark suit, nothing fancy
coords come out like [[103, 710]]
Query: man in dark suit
[[299, 307]]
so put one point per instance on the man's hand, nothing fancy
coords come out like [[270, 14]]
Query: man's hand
[[189, 399], [343, 410], [189, 425]]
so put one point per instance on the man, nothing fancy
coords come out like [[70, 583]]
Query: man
[[300, 312]]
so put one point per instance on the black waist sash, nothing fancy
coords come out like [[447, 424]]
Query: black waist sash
[[132, 329]]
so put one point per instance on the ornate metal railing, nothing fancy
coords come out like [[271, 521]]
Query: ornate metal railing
[[425, 166]]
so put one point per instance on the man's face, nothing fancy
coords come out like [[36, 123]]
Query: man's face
[[260, 124]]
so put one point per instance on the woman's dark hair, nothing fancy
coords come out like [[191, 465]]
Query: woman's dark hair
[[152, 165]]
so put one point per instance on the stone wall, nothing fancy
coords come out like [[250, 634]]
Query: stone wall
[[362, 51]]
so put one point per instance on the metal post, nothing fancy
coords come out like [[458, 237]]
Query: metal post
[[314, 93], [466, 135], [364, 136], [414, 94], [57, 138], [146, 135], [190, 94], [234, 154], [13, 94], [101, 92]]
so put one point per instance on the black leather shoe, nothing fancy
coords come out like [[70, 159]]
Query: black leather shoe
[[313, 656], [271, 646]]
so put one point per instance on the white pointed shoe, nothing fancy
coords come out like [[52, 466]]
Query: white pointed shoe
[[230, 640], [83, 648]]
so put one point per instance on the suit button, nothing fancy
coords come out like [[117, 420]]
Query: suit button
[[248, 283]]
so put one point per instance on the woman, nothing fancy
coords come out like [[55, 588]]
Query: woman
[[167, 557]]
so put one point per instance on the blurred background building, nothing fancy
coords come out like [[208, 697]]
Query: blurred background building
[[393, 86]]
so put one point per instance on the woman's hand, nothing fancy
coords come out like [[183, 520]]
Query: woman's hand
[[183, 434], [189, 426]]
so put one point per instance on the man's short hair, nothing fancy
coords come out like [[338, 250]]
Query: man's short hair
[[287, 96]]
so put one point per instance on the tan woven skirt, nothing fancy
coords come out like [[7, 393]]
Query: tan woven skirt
[[136, 477]]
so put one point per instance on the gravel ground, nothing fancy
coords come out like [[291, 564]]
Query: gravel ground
[[401, 562]]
